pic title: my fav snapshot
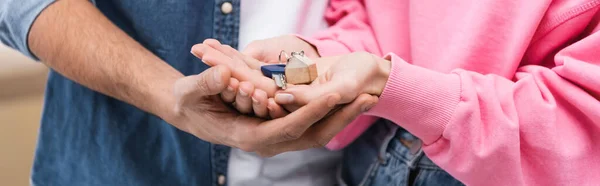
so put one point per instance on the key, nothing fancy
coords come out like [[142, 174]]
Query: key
[[277, 72], [299, 69]]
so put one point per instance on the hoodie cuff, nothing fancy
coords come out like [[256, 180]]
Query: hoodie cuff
[[420, 100]]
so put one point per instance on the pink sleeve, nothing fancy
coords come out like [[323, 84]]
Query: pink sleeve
[[540, 128], [349, 32]]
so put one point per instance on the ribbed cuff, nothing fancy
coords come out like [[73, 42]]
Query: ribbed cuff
[[418, 99], [326, 47]]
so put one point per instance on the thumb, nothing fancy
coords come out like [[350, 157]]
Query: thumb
[[210, 82]]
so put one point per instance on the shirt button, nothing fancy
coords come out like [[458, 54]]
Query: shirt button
[[226, 8], [221, 180]]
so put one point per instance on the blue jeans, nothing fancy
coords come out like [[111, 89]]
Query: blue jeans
[[389, 155]]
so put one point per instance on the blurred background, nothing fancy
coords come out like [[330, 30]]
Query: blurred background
[[22, 84]]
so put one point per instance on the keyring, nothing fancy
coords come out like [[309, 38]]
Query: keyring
[[301, 53], [287, 57]]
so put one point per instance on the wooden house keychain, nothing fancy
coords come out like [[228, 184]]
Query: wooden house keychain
[[298, 69]]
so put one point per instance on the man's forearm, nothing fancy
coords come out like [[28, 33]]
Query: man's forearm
[[78, 41]]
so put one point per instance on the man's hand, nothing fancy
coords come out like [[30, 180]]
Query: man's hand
[[87, 48], [317, 135]]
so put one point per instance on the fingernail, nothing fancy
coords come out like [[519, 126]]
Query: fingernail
[[229, 88], [242, 93], [255, 101], [192, 51], [332, 101], [217, 76], [284, 98], [367, 107]]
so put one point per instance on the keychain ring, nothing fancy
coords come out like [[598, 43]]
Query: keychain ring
[[301, 53], [285, 55]]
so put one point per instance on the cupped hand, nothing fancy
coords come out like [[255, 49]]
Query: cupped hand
[[246, 96], [199, 110], [247, 68], [349, 75]]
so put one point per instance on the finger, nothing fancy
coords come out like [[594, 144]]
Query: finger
[[233, 53], [303, 94], [291, 107], [275, 110], [228, 95], [259, 103], [294, 124], [286, 100], [212, 41], [256, 77], [212, 57], [210, 82], [225, 49], [321, 133], [243, 100], [252, 63], [260, 81], [238, 68]]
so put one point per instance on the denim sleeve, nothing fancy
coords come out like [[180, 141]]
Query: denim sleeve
[[16, 18]]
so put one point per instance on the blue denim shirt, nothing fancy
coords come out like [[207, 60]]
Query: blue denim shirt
[[87, 138]]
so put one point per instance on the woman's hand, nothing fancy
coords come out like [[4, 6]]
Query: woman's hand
[[314, 136], [252, 95], [268, 50], [349, 75]]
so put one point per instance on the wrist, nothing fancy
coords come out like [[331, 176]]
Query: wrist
[[309, 49], [382, 75], [162, 97]]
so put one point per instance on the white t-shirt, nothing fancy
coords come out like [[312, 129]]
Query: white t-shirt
[[261, 19]]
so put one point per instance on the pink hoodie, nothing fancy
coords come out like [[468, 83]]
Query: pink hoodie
[[500, 92]]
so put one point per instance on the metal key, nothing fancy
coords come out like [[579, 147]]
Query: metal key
[[298, 69], [277, 72]]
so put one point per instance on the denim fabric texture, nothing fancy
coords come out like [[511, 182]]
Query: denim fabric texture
[[87, 138], [379, 158]]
